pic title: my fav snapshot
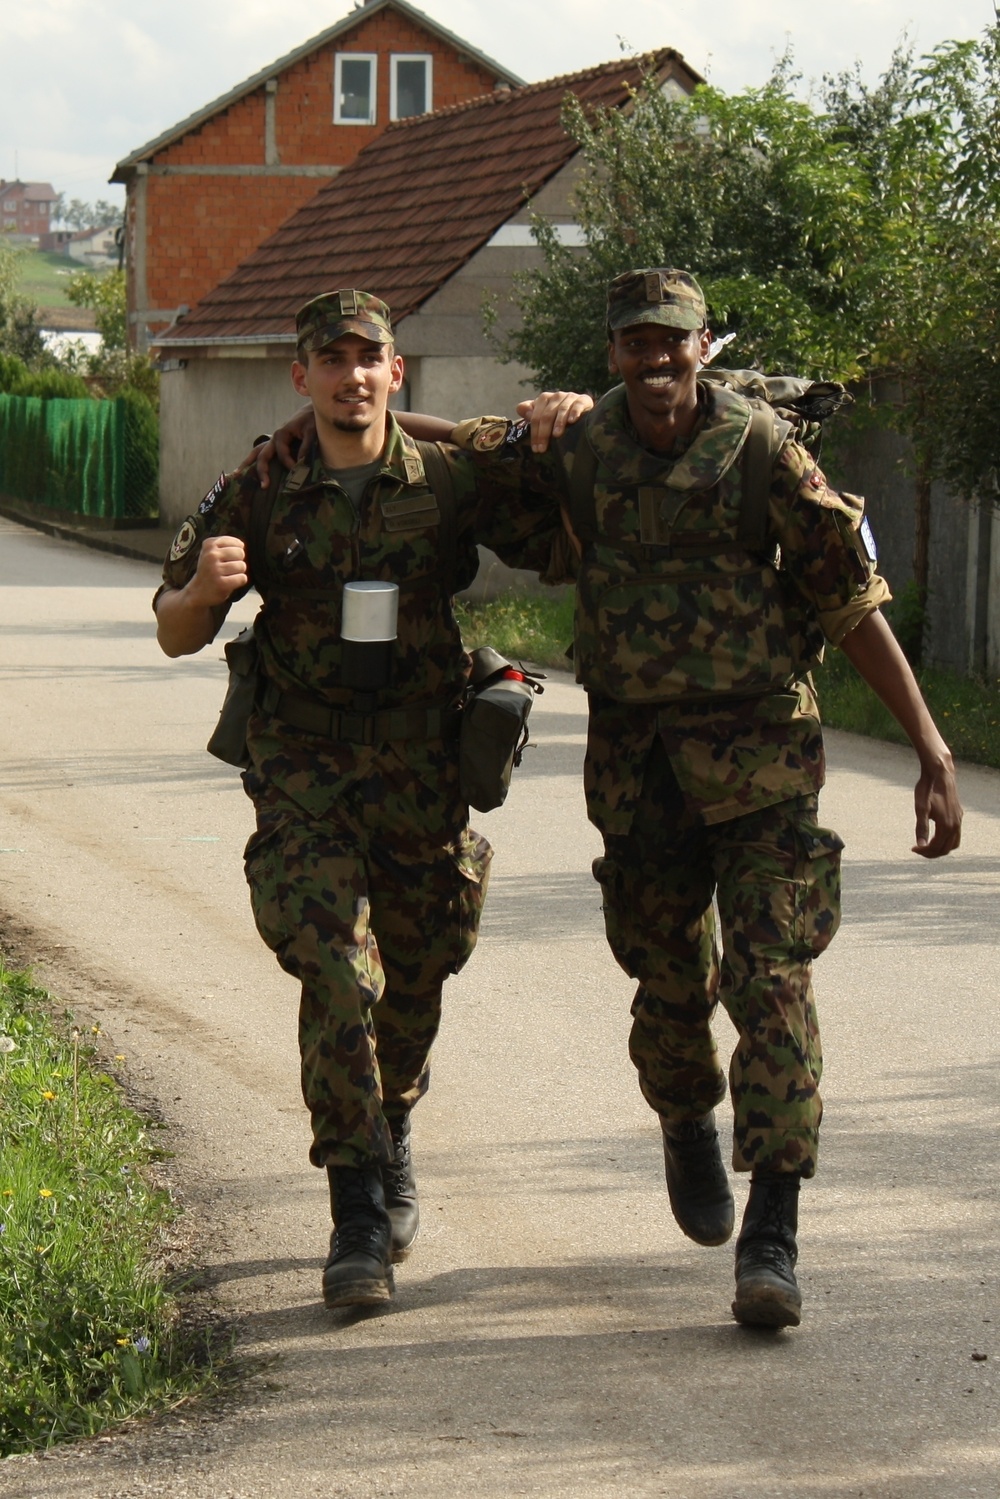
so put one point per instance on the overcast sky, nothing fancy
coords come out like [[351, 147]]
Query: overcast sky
[[84, 84]]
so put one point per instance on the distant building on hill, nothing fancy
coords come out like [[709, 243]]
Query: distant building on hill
[[26, 208]]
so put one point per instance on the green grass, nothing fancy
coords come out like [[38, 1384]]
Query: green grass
[[538, 628], [45, 276], [89, 1332], [523, 626]]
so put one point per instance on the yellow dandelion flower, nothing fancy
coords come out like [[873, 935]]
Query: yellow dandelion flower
[[122, 1342], [120, 1057], [95, 1030], [8, 1191], [48, 1095], [44, 1192]]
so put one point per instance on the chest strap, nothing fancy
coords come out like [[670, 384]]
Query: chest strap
[[358, 728]]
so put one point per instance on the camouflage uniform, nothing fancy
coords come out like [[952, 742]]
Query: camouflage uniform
[[365, 878], [705, 752]]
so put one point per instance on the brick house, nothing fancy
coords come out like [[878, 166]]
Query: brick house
[[26, 208], [205, 193], [432, 215]]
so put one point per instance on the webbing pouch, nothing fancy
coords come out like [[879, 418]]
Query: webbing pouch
[[494, 727], [229, 739]]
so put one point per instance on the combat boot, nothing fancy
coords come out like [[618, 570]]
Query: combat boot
[[401, 1191], [358, 1271], [767, 1294], [700, 1196]]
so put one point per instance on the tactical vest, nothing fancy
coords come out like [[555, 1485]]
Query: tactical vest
[[681, 596]]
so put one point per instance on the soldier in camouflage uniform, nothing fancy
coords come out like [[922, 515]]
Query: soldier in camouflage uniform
[[366, 880], [705, 752]]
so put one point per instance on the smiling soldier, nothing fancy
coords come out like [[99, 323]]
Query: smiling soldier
[[366, 880], [714, 562]]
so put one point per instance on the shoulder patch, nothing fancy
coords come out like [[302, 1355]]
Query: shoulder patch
[[208, 503], [868, 537], [816, 480], [516, 431], [490, 437], [183, 541], [414, 469]]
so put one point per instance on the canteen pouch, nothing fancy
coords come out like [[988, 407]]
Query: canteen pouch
[[494, 727], [229, 740]]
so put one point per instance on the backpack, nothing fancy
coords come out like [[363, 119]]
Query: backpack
[[782, 406]]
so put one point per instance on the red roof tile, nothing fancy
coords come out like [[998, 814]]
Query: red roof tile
[[414, 205]]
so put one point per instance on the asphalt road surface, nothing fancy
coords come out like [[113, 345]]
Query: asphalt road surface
[[553, 1333]]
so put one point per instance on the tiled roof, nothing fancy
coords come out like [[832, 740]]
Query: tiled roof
[[414, 205], [32, 192], [360, 13]]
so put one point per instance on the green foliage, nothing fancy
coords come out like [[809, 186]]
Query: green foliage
[[746, 190], [532, 627], [115, 368], [16, 379], [104, 291], [19, 331], [88, 1332], [80, 215]]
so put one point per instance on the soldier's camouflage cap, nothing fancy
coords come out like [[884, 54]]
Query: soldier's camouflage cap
[[661, 295], [334, 313]]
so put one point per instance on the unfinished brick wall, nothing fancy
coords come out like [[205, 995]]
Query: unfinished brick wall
[[200, 226]]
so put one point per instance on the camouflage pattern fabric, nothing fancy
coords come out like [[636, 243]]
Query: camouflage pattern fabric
[[776, 874], [370, 908], [730, 753], [365, 878], [661, 295], [710, 792], [328, 317]]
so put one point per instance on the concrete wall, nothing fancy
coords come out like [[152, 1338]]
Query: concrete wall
[[210, 412], [963, 607]]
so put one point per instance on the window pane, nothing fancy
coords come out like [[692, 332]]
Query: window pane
[[355, 89], [411, 87]]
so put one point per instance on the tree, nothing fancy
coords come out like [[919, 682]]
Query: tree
[[80, 215], [115, 367], [748, 190], [858, 241], [20, 334]]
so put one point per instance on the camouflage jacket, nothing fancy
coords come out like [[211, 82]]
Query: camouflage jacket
[[316, 542], [725, 642]]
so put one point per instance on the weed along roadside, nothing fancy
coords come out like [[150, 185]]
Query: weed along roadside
[[91, 1332], [539, 628]]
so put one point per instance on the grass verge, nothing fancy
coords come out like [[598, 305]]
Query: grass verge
[[89, 1331], [538, 627]]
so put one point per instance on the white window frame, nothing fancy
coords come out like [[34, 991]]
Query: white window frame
[[371, 58], [397, 57]]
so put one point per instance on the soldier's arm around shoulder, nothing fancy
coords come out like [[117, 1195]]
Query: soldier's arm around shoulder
[[829, 547], [205, 568]]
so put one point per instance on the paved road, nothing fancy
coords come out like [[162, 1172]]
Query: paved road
[[554, 1334]]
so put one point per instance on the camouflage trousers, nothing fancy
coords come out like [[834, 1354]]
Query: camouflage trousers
[[775, 876], [370, 908]]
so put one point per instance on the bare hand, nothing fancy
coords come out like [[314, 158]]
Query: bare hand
[[222, 569], [295, 437], [550, 413], [936, 801]]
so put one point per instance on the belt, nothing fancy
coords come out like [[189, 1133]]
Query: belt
[[358, 728]]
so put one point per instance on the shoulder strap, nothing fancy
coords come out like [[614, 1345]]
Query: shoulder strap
[[439, 478], [261, 510], [759, 452], [578, 479]]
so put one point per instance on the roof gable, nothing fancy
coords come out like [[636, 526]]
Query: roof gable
[[414, 205], [356, 17]]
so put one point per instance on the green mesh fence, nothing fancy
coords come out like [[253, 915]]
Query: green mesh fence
[[95, 458]]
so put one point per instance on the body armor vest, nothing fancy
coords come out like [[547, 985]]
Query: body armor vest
[[671, 605]]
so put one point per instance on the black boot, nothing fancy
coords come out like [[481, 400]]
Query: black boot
[[401, 1191], [358, 1271], [767, 1294], [700, 1196]]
